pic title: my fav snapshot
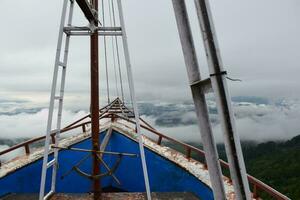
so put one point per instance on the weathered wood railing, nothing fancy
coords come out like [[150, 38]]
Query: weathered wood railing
[[257, 185]]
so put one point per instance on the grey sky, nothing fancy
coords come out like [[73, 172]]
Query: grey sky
[[259, 42], [258, 39]]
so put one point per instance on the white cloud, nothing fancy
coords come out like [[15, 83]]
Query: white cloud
[[268, 122], [28, 125], [257, 122], [182, 133], [11, 154]]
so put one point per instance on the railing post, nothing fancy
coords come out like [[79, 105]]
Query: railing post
[[205, 163], [159, 140], [112, 118], [188, 153], [255, 195], [53, 138], [83, 128], [27, 149]]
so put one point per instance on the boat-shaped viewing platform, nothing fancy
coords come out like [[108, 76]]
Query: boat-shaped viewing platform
[[173, 174]]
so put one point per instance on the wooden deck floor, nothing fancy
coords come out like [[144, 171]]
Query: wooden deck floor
[[109, 196]]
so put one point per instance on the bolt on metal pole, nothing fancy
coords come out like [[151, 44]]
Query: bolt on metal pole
[[95, 104], [219, 85], [192, 67]]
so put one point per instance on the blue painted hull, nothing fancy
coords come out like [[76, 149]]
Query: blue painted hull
[[164, 175]]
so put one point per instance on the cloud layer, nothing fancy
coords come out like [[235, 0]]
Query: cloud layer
[[28, 125], [254, 121], [257, 119]]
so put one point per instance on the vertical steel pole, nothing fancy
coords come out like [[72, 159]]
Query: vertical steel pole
[[95, 104], [60, 106], [192, 67], [219, 85], [133, 100], [52, 98]]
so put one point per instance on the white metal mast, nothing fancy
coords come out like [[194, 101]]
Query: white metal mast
[[63, 64], [133, 99], [198, 92], [217, 82], [70, 30]]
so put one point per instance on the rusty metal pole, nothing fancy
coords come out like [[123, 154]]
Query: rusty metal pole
[[95, 104]]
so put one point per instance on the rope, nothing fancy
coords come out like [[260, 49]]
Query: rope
[[113, 51], [105, 54], [132, 94], [117, 48], [234, 79], [225, 73]]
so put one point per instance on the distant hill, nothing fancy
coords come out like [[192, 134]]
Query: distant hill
[[275, 163]]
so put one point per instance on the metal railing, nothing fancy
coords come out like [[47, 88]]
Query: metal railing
[[257, 185], [26, 144]]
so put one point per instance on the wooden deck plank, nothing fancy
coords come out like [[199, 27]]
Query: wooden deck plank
[[129, 196], [109, 196]]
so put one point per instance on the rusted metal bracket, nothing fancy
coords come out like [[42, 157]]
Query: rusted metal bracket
[[98, 154], [110, 172], [87, 30], [93, 151], [204, 85], [90, 14]]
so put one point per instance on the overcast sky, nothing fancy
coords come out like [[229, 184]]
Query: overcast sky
[[259, 42]]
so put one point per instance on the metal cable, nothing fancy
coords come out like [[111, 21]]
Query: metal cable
[[105, 53], [117, 50], [113, 51]]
